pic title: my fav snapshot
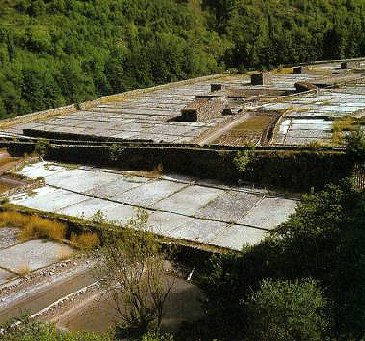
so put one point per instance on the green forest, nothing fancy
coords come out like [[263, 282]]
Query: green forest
[[57, 52]]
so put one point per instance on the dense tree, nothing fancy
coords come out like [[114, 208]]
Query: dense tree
[[83, 49], [284, 310]]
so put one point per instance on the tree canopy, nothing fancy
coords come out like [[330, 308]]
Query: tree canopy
[[57, 52], [322, 241]]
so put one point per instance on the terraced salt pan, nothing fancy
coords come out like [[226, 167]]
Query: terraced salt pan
[[178, 207], [310, 117], [5, 276], [142, 116], [8, 236], [270, 213], [25, 256], [48, 199], [236, 236]]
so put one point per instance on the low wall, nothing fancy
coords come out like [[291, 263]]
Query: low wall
[[292, 170], [7, 123]]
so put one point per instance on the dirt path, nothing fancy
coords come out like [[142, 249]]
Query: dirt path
[[34, 298], [96, 312], [214, 134], [72, 299]]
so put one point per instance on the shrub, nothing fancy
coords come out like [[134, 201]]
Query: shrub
[[284, 310], [13, 219], [355, 145], [156, 336], [41, 147], [131, 270], [28, 329], [43, 228], [243, 159], [85, 240], [33, 226]]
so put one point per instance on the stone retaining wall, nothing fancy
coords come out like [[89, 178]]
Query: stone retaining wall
[[292, 170]]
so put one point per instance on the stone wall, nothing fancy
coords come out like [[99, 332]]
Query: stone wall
[[286, 169]]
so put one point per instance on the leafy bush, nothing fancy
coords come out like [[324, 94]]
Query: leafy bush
[[131, 270], [41, 147], [28, 329], [243, 159], [324, 240], [355, 145], [156, 336], [284, 310]]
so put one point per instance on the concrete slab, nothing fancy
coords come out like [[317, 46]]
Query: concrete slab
[[48, 199], [25, 257], [81, 181], [313, 134], [40, 169], [163, 223], [8, 236], [5, 276], [116, 188], [231, 206], [236, 236], [189, 200], [270, 213], [149, 193], [88, 208], [201, 231], [121, 214]]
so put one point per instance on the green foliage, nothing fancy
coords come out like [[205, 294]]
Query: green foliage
[[324, 240], [4, 200], [99, 218], [268, 33], [131, 270], [156, 336], [28, 329], [355, 145], [59, 52], [243, 159], [284, 310], [115, 151], [41, 147]]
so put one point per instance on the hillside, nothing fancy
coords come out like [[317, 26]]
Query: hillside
[[67, 51]]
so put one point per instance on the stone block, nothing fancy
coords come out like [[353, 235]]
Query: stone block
[[350, 65], [261, 79], [216, 87], [189, 115], [298, 70]]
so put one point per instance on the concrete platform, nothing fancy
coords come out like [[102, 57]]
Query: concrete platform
[[25, 257], [5, 276], [178, 207]]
